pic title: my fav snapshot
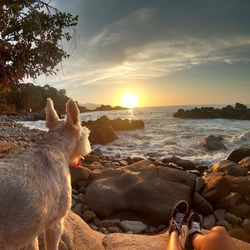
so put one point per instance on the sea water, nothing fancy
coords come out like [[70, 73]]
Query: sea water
[[165, 135]]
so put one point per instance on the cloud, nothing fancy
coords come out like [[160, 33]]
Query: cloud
[[122, 40]]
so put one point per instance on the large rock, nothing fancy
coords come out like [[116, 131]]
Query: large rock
[[125, 124], [240, 234], [213, 143], [228, 200], [149, 191], [230, 168], [79, 174], [8, 148], [242, 210], [185, 164], [240, 185], [101, 131], [245, 162], [217, 186], [77, 235], [201, 205], [238, 154]]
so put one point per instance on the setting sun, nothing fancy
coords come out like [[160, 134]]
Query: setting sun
[[129, 100]]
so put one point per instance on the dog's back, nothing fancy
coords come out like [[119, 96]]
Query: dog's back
[[35, 190]]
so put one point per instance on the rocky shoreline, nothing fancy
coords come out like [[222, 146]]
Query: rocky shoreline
[[239, 112], [136, 195]]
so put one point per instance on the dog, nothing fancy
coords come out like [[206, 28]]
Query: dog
[[35, 188]]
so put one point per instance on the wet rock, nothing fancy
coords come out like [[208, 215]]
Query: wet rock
[[245, 162], [213, 143], [238, 154], [185, 164], [217, 186], [242, 210], [209, 221], [240, 185], [125, 124], [133, 226], [201, 205], [229, 168], [101, 131], [229, 200]]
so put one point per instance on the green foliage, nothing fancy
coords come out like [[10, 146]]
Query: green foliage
[[28, 97], [31, 34]]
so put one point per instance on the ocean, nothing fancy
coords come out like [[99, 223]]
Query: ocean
[[165, 135]]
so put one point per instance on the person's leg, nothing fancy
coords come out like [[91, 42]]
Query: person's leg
[[178, 215], [174, 242], [216, 239]]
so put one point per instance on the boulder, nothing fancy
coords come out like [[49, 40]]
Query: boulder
[[238, 154], [217, 186], [230, 168], [245, 162], [242, 210], [141, 188], [77, 235], [213, 143], [185, 164], [101, 131], [240, 185], [79, 174], [125, 124], [8, 148], [201, 205], [228, 201]]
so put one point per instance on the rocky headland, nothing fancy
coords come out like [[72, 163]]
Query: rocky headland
[[239, 112], [134, 196]]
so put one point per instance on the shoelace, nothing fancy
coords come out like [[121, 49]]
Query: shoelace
[[195, 228], [179, 218]]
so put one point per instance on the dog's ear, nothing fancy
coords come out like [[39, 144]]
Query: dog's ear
[[51, 115], [72, 113]]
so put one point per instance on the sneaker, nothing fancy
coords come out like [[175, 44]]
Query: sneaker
[[194, 227], [179, 214]]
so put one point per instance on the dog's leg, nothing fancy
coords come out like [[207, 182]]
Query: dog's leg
[[53, 235]]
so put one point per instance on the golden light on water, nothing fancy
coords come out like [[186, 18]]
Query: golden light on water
[[129, 100]]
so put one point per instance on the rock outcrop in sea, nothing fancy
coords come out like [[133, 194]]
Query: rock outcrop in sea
[[239, 112]]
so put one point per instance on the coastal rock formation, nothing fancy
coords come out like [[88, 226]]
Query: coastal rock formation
[[230, 168], [239, 112], [143, 188], [102, 130], [213, 143], [238, 154]]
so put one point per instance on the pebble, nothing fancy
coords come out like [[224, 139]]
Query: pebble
[[246, 225], [109, 223], [88, 215], [82, 198], [224, 224], [161, 228], [219, 214], [78, 209], [133, 226], [209, 221], [232, 219]]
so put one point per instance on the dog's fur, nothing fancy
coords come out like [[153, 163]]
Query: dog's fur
[[35, 190]]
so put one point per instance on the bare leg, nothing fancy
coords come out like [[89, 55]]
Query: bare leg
[[216, 239], [53, 236], [174, 242]]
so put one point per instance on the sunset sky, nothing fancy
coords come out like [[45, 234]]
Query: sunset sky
[[167, 52]]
